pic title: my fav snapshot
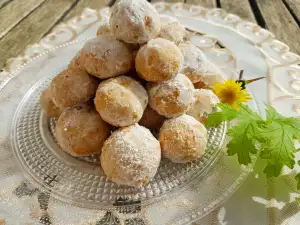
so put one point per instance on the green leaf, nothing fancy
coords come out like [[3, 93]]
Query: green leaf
[[215, 119], [245, 113], [275, 136], [229, 113], [277, 141], [278, 146], [243, 141], [272, 114], [273, 170], [298, 180]]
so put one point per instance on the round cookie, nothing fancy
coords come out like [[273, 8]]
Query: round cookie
[[172, 97], [72, 87], [134, 21], [205, 103], [151, 119], [213, 75], [183, 139], [106, 57], [48, 106], [171, 29], [81, 131], [104, 28], [121, 101], [131, 156], [75, 63], [194, 63], [158, 60]]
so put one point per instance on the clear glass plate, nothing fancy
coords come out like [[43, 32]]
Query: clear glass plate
[[179, 194], [81, 179]]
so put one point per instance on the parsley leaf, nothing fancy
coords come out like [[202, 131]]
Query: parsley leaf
[[272, 113], [277, 141], [229, 113], [298, 180], [215, 119], [278, 145], [273, 170], [275, 136], [243, 141]]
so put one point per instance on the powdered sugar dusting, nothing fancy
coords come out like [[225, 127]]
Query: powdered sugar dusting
[[177, 92], [171, 29], [106, 57], [121, 101], [213, 75], [134, 21], [131, 156], [205, 103], [183, 139], [194, 64]]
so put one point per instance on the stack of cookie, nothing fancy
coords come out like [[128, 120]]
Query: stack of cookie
[[129, 95]]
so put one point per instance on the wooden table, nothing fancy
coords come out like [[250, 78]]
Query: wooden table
[[25, 22]]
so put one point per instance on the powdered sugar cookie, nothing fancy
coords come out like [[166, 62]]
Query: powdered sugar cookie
[[131, 156], [183, 139], [172, 97], [158, 60], [134, 21]]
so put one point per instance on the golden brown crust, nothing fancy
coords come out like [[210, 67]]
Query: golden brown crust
[[194, 63], [72, 87], [171, 29], [121, 101], [183, 139], [205, 103], [104, 30], [134, 21], [158, 60], [173, 97], [48, 106], [75, 62], [81, 131], [131, 156], [105, 57]]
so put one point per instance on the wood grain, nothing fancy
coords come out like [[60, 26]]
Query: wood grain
[[294, 7], [241, 8], [3, 3], [167, 1], [32, 28], [204, 3], [279, 21], [12, 13], [94, 4]]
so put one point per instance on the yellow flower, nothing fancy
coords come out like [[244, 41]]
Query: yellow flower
[[231, 92]]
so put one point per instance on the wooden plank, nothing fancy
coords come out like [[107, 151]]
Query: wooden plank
[[12, 13], [204, 3], [241, 8], [4, 2], [32, 28], [94, 4], [174, 1], [294, 8], [279, 21]]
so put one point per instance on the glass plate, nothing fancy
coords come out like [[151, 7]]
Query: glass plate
[[179, 194], [81, 179]]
